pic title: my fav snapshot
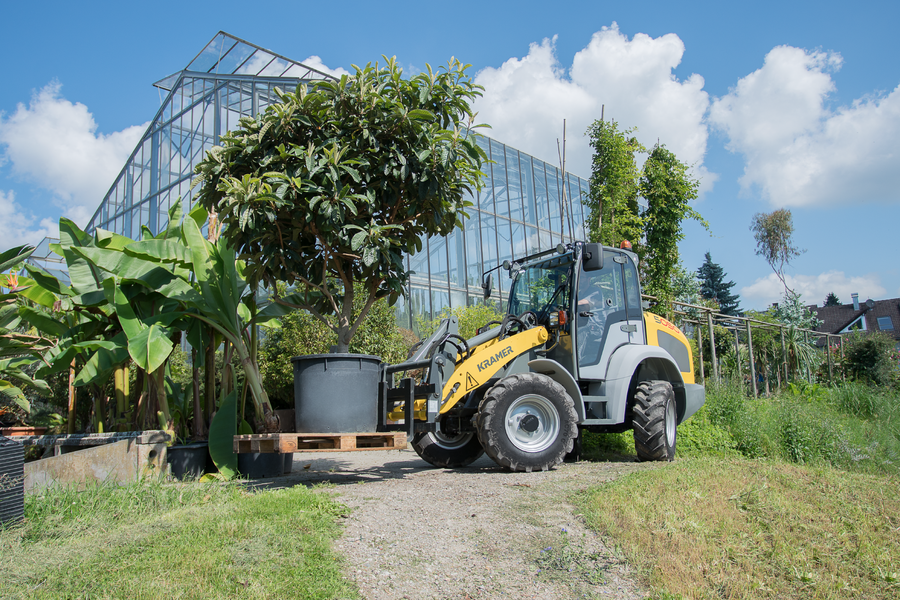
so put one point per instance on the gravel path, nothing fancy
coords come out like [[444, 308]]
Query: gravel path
[[420, 533]]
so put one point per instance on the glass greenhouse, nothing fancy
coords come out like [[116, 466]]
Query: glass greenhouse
[[525, 205]]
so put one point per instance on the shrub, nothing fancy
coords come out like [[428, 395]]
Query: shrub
[[470, 319], [872, 357]]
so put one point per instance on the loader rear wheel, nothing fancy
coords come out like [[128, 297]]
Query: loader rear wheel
[[447, 451], [527, 422], [654, 422]]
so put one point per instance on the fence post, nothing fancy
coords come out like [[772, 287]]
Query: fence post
[[737, 357], [843, 364], [712, 346], [784, 357], [750, 358], [806, 341], [700, 351], [828, 351]]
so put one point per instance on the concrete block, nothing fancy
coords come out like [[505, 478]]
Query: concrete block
[[119, 462]]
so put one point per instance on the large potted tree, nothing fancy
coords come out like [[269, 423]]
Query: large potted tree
[[333, 186]]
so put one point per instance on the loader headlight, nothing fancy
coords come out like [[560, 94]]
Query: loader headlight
[[558, 319]]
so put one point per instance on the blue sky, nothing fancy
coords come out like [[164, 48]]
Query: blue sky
[[775, 104]]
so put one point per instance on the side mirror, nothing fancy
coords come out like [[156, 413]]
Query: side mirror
[[487, 284], [592, 257]]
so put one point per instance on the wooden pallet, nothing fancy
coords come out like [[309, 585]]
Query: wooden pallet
[[286, 443]]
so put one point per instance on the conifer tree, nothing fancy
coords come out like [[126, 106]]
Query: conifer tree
[[714, 287]]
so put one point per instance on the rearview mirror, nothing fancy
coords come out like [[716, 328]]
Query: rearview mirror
[[592, 257], [487, 284]]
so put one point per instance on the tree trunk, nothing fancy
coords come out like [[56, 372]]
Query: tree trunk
[[162, 401], [70, 424], [199, 429], [119, 385], [210, 376]]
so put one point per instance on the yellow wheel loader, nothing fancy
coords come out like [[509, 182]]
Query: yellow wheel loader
[[575, 351]]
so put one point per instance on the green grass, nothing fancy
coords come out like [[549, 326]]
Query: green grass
[[793, 496], [739, 528], [190, 540]]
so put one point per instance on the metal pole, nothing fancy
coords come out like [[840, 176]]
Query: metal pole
[[737, 355], [750, 358], [712, 346], [828, 351]]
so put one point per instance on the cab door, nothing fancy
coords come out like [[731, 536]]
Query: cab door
[[607, 313]]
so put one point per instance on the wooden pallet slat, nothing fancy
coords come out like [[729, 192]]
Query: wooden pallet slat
[[287, 443]]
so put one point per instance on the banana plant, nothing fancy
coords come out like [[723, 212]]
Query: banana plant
[[18, 349], [206, 279]]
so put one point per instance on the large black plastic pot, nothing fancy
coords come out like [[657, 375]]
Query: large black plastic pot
[[336, 393], [188, 460], [257, 465]]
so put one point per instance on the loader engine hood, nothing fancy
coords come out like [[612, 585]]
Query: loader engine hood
[[665, 335]]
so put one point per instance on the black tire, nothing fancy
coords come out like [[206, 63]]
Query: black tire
[[655, 431], [527, 422], [448, 451]]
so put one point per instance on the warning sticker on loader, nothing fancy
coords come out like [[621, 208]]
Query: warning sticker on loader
[[471, 384]]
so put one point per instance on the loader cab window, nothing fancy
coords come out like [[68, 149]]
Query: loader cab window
[[541, 288], [600, 304]]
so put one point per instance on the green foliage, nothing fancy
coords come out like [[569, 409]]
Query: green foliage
[[714, 287], [222, 430], [471, 318], [831, 300], [20, 347], [872, 357], [301, 333], [616, 183], [614, 214], [668, 189], [773, 233], [336, 185], [849, 427]]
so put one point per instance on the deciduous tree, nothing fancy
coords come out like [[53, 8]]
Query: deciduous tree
[[338, 184], [773, 233]]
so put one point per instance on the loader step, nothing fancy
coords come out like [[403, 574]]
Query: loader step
[[286, 443]]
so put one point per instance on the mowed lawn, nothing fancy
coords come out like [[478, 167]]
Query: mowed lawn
[[191, 540]]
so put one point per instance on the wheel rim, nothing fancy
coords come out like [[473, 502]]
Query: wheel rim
[[451, 442], [532, 434], [670, 424]]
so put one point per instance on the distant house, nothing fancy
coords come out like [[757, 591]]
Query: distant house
[[871, 315]]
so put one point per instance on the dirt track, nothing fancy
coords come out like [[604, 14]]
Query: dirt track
[[419, 533]]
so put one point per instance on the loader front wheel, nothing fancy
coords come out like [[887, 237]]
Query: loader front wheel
[[527, 422], [654, 421], [448, 451]]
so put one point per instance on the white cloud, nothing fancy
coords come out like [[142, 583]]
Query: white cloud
[[799, 152], [265, 65], [19, 226], [526, 99], [316, 63], [814, 288], [54, 144]]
